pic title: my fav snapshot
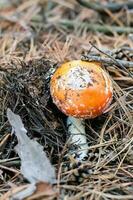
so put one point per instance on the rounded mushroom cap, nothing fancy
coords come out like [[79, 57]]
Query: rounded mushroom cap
[[81, 89]]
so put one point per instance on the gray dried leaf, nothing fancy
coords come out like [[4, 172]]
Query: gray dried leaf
[[35, 166]]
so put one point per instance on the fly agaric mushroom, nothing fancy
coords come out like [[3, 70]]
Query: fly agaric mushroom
[[81, 90]]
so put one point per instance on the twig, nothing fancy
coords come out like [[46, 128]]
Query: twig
[[127, 49], [113, 7], [127, 64], [9, 160], [9, 169], [96, 27], [12, 163], [5, 4], [115, 61]]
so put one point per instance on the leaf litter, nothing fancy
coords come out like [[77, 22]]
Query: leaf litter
[[58, 31], [35, 166]]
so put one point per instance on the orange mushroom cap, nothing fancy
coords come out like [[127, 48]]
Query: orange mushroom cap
[[81, 89]]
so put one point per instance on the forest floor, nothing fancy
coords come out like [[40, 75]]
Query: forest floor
[[36, 36]]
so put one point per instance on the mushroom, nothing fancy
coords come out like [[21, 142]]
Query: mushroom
[[81, 90]]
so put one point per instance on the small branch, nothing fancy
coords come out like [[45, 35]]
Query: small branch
[[12, 163], [116, 62], [96, 27], [126, 64], [113, 7]]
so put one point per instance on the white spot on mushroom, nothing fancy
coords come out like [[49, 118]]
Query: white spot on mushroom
[[82, 105], [99, 108], [77, 78]]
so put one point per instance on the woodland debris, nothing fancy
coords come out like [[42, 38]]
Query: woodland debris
[[100, 7], [35, 165]]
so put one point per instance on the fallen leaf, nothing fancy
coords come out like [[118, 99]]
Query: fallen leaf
[[35, 166], [11, 192], [43, 190]]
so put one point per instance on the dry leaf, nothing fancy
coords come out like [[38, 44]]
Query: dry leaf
[[35, 166], [11, 192], [43, 190]]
